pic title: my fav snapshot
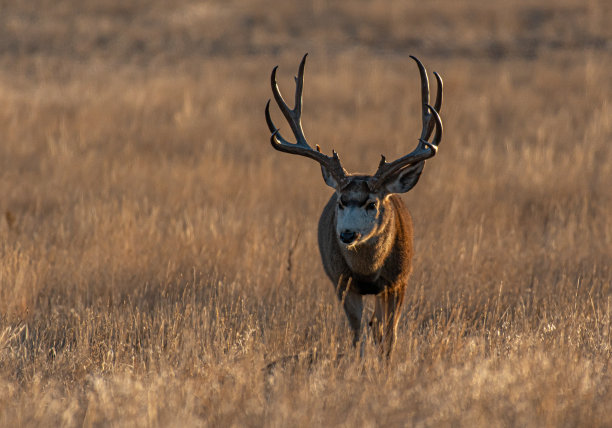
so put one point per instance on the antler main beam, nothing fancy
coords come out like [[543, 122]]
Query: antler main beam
[[293, 117], [424, 149]]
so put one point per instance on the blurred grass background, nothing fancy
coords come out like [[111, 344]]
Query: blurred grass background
[[156, 253]]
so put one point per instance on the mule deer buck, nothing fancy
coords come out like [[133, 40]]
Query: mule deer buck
[[365, 230]]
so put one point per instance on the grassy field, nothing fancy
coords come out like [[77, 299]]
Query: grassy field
[[156, 253]]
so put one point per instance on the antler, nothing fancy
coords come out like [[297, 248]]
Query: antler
[[424, 149], [300, 147]]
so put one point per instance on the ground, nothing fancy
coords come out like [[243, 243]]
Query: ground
[[156, 254]]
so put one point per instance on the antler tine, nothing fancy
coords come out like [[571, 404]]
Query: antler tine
[[293, 116], [439, 129], [424, 85], [438, 105], [424, 149], [299, 85]]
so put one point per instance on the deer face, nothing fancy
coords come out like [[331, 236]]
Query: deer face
[[358, 213]]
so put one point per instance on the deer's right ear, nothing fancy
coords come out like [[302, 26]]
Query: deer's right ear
[[329, 179]]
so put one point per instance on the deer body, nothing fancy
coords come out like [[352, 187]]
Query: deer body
[[380, 266], [365, 231]]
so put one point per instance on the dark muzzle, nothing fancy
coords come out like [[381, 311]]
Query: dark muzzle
[[347, 236]]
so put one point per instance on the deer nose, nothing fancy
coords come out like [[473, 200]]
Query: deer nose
[[347, 236]]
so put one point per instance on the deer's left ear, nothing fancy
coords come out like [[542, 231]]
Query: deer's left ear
[[405, 179]]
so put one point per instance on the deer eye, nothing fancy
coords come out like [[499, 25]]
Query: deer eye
[[371, 206]]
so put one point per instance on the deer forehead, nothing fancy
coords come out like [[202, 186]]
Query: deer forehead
[[356, 191]]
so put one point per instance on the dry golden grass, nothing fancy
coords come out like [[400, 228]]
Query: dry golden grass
[[156, 254]]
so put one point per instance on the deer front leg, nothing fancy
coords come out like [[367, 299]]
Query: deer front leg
[[353, 307], [386, 318]]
